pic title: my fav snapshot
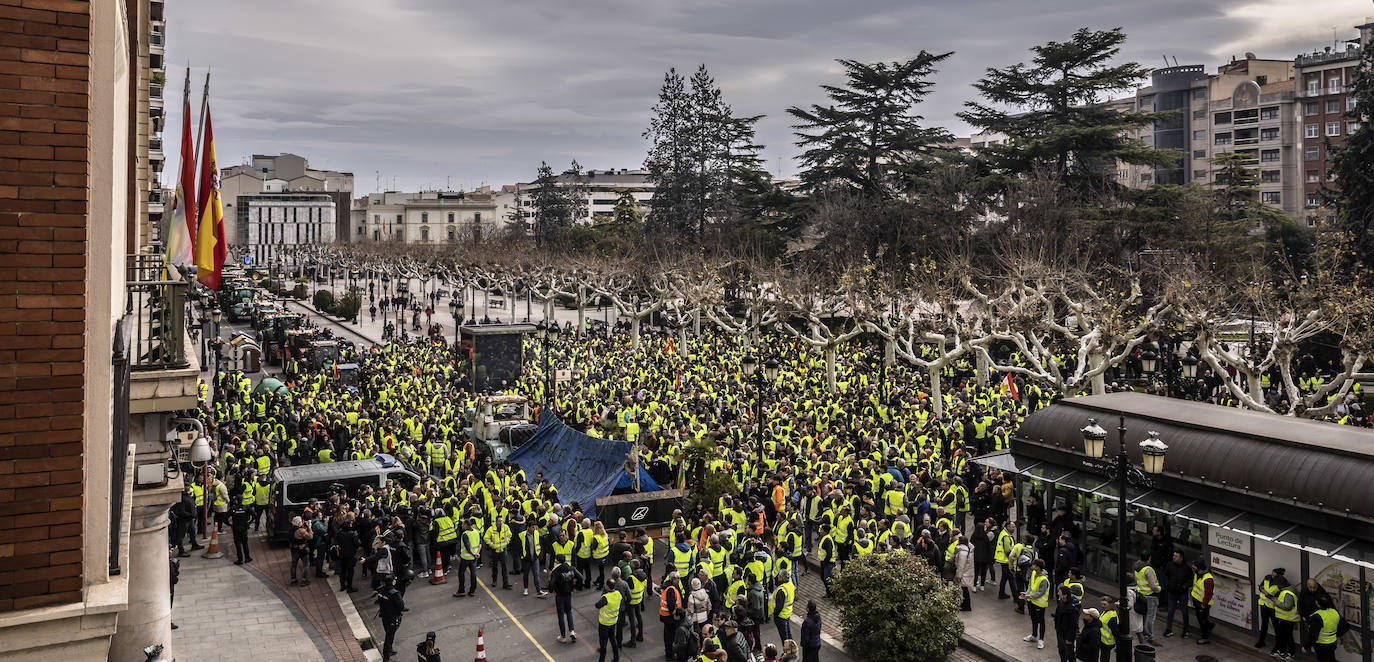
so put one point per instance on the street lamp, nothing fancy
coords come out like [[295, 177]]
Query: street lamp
[[201, 454], [1148, 361], [455, 311], [1120, 469], [1190, 366], [751, 363], [542, 331]]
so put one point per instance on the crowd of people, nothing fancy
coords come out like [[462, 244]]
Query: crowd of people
[[873, 466]]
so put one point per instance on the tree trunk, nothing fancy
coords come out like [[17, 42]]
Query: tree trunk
[[634, 331], [1095, 360], [696, 322], [937, 400], [981, 366], [581, 310], [682, 338], [830, 357], [889, 353]]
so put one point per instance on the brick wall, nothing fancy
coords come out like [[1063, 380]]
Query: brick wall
[[44, 84]]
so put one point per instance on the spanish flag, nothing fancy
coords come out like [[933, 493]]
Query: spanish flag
[[210, 245], [181, 232]]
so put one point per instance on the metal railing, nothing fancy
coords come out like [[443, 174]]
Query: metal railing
[[158, 309]]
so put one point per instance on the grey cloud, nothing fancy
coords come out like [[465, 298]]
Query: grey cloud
[[482, 91]]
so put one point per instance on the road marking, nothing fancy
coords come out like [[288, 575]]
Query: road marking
[[515, 620]]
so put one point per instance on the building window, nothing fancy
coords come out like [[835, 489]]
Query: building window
[[362, 231], [424, 217], [1313, 177], [400, 219], [1314, 87], [1333, 86], [1269, 156], [1200, 135], [1333, 105], [1270, 176], [376, 218], [1350, 103], [1199, 114], [1223, 139], [1311, 131], [1333, 128], [451, 234], [1351, 127], [1271, 133], [1309, 108], [424, 233], [1147, 103], [1311, 154], [603, 201], [1146, 177], [450, 217], [1269, 113], [1199, 153], [1313, 201], [1221, 118], [1200, 94], [477, 217], [1199, 174], [1269, 197]]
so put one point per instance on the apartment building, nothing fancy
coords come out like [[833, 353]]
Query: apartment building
[[95, 353], [426, 217], [152, 86], [603, 189], [1325, 102], [282, 173], [267, 223]]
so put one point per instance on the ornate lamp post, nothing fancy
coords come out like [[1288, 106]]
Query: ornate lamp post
[[542, 331], [1125, 474], [750, 363], [457, 312]]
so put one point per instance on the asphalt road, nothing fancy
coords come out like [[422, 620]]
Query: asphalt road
[[516, 627]]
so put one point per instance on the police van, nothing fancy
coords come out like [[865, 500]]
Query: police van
[[293, 487]]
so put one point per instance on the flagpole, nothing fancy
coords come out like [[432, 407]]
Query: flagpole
[[200, 124]]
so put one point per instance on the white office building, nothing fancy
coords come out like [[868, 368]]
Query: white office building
[[268, 222]]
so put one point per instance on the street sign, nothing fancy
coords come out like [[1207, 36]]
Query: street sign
[[563, 375]]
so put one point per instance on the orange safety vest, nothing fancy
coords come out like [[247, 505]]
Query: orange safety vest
[[663, 600], [779, 497], [759, 524]]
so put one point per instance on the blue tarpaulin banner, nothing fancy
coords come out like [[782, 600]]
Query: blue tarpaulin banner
[[582, 467]]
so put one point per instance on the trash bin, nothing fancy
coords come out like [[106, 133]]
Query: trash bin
[[1144, 653]]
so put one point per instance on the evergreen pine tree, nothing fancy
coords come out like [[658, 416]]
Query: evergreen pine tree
[[1353, 174]]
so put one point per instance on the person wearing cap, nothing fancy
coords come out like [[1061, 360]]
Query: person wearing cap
[[732, 641], [1203, 588], [1089, 636], [427, 650]]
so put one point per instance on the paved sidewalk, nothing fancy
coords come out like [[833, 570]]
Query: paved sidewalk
[[220, 608], [316, 601]]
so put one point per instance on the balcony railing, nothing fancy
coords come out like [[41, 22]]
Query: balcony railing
[[158, 309]]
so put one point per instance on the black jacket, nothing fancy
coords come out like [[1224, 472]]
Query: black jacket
[[1089, 640], [811, 631], [349, 543], [1066, 557], [564, 577], [1177, 578], [736, 647], [390, 604], [982, 545], [1066, 620]]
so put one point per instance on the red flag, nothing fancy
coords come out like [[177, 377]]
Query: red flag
[[670, 349], [1011, 388], [210, 246], [181, 233]]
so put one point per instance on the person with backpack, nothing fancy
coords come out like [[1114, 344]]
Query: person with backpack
[[320, 540], [565, 580], [390, 605]]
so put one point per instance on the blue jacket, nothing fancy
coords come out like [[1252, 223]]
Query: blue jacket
[[811, 631]]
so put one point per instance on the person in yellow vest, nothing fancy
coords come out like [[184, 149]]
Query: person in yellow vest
[[1006, 540], [469, 550], [262, 495], [607, 617], [1037, 597], [1110, 622], [1148, 588], [639, 584], [1325, 627], [601, 548], [445, 531], [1203, 587], [497, 539], [1268, 591], [780, 605], [1285, 619]]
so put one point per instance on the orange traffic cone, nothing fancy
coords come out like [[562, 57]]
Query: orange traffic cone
[[212, 552], [481, 648], [438, 576]]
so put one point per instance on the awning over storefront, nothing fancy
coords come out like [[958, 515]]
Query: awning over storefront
[[1262, 527]]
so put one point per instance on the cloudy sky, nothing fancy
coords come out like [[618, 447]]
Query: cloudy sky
[[430, 93]]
